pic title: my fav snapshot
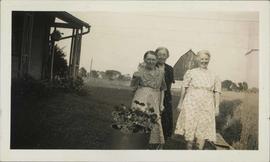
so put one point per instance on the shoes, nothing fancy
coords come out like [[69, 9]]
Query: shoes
[[209, 145], [189, 145], [178, 138], [155, 147], [159, 147]]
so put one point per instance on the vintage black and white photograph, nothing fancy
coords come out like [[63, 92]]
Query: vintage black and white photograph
[[140, 80], [97, 80]]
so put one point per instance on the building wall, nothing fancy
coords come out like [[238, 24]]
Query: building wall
[[185, 62], [40, 45], [17, 29], [31, 40], [252, 72]]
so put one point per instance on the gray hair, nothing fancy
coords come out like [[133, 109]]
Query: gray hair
[[162, 48], [206, 52]]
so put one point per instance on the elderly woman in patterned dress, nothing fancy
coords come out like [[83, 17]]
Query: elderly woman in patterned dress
[[149, 86], [199, 103]]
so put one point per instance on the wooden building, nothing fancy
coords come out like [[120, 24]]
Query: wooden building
[[33, 38], [185, 62]]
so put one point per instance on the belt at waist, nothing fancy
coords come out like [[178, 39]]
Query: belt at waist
[[150, 88], [202, 88]]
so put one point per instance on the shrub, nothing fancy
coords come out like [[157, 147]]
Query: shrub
[[232, 133], [82, 72], [227, 124], [112, 74], [226, 84], [226, 109], [253, 90], [231, 86], [252, 142], [28, 86]]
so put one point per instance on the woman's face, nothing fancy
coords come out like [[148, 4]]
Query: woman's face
[[204, 60], [150, 60], [162, 56]]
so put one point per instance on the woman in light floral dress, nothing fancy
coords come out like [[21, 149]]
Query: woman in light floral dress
[[199, 103], [149, 85]]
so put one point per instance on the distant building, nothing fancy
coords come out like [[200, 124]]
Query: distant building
[[252, 66], [185, 62], [101, 74], [33, 41], [125, 77], [112, 74]]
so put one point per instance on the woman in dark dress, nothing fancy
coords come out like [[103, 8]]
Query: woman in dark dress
[[167, 115]]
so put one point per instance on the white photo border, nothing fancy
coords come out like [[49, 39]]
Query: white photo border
[[260, 155]]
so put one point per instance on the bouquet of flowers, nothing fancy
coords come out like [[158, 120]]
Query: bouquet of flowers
[[134, 120]]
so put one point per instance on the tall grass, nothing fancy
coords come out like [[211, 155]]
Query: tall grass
[[249, 118], [238, 119], [241, 128], [97, 82]]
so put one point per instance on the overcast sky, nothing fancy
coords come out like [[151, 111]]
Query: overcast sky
[[118, 40]]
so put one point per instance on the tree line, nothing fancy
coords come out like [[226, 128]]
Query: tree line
[[237, 87], [108, 74], [61, 70]]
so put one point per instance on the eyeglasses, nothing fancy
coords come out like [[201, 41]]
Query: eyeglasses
[[162, 57]]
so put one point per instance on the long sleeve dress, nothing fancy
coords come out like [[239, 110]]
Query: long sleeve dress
[[197, 116], [149, 85], [167, 114]]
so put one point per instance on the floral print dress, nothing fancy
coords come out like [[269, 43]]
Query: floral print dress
[[197, 116], [149, 84]]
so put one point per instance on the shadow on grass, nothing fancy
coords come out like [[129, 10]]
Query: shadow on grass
[[226, 123]]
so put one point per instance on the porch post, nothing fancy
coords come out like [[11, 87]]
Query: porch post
[[52, 60], [75, 49], [71, 54]]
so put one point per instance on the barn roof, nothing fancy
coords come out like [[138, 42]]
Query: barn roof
[[251, 51], [186, 61], [70, 20]]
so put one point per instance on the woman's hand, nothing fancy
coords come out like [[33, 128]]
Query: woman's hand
[[217, 96], [161, 108], [179, 107], [136, 74], [217, 110], [134, 89], [182, 96]]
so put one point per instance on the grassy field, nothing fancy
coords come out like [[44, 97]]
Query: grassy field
[[69, 121], [246, 112]]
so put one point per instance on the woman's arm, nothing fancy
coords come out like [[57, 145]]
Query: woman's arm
[[163, 88], [161, 107], [183, 93], [185, 84], [217, 92], [135, 81], [217, 100]]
